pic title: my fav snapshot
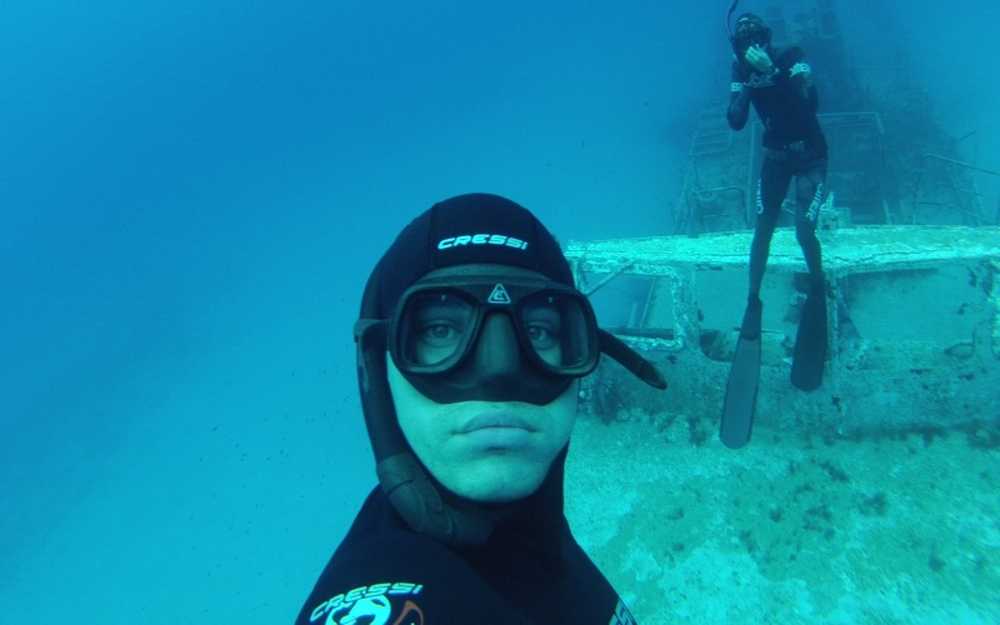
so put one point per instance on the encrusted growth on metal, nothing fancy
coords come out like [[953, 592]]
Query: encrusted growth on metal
[[994, 278]]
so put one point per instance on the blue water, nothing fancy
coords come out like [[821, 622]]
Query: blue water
[[191, 197]]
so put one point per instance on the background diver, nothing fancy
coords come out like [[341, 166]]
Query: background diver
[[779, 85]]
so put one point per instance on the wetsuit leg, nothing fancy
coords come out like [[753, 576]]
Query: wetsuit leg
[[810, 193], [775, 176]]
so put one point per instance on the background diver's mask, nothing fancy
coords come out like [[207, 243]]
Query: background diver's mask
[[514, 337], [750, 30]]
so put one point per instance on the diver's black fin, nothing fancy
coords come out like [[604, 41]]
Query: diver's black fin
[[741, 389], [811, 342]]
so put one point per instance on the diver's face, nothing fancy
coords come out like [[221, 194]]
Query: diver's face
[[485, 451], [751, 34]]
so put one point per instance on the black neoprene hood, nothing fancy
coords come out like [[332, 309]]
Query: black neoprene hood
[[475, 228]]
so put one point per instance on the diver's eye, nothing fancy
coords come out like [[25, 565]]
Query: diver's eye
[[541, 335], [439, 334], [542, 319]]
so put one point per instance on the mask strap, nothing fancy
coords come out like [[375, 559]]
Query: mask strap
[[631, 360]]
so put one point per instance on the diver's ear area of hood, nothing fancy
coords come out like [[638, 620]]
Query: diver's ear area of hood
[[405, 481], [631, 360], [407, 484]]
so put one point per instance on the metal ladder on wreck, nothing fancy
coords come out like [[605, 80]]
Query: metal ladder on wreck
[[713, 138]]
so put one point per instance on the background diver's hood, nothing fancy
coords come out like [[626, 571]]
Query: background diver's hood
[[467, 229]]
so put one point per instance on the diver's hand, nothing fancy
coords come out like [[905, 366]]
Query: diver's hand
[[801, 69], [758, 59]]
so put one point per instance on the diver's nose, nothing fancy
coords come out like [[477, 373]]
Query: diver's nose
[[498, 354]]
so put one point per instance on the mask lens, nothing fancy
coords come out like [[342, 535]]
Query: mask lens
[[749, 33], [559, 330], [434, 329]]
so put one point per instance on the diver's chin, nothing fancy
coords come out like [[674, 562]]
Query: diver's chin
[[498, 481], [500, 497]]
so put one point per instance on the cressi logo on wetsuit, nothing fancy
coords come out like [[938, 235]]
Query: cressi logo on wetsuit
[[395, 604], [372, 605]]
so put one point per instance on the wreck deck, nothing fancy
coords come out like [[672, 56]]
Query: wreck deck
[[847, 250], [914, 314]]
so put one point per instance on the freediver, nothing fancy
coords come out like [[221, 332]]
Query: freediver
[[779, 85], [471, 342]]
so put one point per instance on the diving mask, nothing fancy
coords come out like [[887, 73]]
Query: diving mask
[[496, 336], [750, 31]]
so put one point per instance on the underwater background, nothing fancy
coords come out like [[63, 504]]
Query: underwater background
[[192, 195]]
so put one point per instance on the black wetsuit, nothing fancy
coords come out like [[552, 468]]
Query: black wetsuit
[[794, 146], [530, 572]]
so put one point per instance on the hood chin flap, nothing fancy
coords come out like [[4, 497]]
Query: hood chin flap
[[416, 498]]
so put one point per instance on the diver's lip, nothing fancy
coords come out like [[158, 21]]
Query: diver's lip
[[495, 420]]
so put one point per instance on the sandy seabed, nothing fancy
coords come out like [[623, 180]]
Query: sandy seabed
[[892, 529]]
